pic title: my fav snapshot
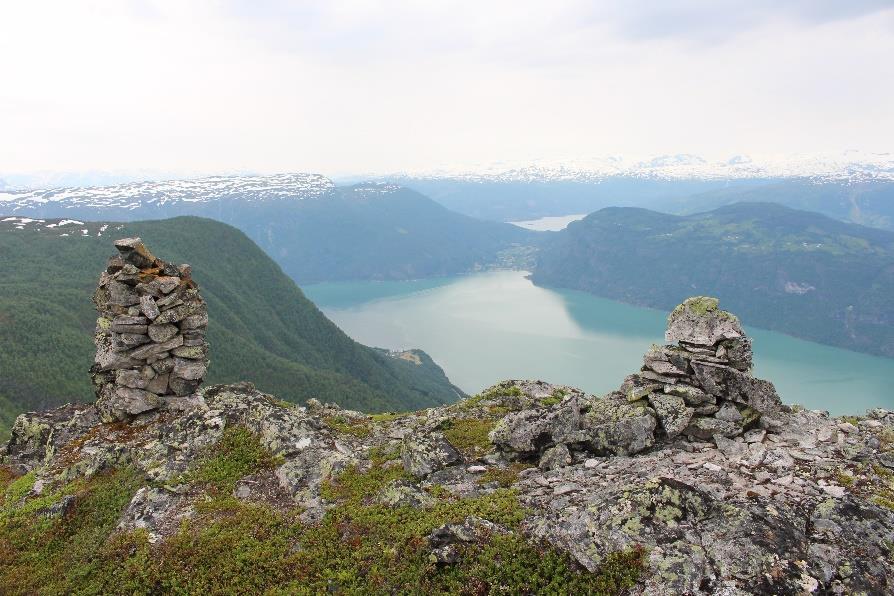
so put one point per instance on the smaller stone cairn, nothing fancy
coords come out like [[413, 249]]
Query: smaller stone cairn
[[151, 351], [702, 387]]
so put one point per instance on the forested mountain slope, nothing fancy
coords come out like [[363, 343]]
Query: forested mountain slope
[[261, 325], [313, 229], [783, 269]]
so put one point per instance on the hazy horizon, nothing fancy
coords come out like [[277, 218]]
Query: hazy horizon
[[349, 88]]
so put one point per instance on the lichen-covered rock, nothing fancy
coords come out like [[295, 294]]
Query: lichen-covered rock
[[615, 425], [531, 431], [699, 321], [422, 455]]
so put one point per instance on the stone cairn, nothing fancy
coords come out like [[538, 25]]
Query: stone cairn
[[150, 335], [702, 387]]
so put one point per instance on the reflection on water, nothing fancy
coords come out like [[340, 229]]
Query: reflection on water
[[487, 327]]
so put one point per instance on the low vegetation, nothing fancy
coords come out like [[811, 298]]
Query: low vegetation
[[64, 541]]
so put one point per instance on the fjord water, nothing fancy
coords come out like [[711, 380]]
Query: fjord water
[[487, 327]]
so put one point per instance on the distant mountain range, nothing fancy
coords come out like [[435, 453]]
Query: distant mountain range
[[854, 186], [783, 269], [313, 229], [260, 322]]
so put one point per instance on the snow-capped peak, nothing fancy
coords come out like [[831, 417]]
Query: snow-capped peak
[[199, 190], [844, 167]]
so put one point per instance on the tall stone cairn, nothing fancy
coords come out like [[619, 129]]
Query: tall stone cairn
[[151, 351], [701, 385]]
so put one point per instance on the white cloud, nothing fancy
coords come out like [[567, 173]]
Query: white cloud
[[342, 87]]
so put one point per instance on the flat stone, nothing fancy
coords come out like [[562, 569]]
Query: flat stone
[[135, 401], [125, 341], [705, 428], [144, 352], [755, 435], [158, 385], [693, 396], [190, 370], [165, 365], [194, 322], [161, 333], [130, 378], [193, 352], [132, 329], [178, 313]]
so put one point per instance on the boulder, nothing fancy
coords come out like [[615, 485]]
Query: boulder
[[699, 321]]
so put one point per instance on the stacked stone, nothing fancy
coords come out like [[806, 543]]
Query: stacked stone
[[150, 335], [702, 386]]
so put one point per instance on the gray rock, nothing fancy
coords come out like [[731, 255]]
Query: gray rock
[[148, 307], [693, 396], [735, 385], [530, 431], [614, 425], [699, 321], [705, 428], [182, 387], [160, 333], [164, 365], [146, 351], [134, 401], [172, 315], [190, 370], [422, 455], [555, 457], [122, 295], [673, 413]]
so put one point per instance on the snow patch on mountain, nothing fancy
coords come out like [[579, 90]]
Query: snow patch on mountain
[[135, 195], [851, 166]]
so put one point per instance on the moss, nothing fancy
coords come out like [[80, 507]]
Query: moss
[[238, 454], [843, 478], [557, 396], [358, 427], [505, 477], [469, 435], [363, 547], [234, 547], [59, 554]]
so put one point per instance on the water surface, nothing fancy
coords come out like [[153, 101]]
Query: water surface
[[487, 327], [553, 223]]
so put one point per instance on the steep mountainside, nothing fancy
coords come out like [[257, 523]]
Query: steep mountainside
[[782, 269], [315, 231], [262, 324]]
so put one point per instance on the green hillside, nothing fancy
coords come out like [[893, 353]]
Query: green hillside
[[262, 327], [792, 271]]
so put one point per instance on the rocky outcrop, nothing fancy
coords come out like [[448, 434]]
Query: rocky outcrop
[[700, 388], [724, 489], [150, 335]]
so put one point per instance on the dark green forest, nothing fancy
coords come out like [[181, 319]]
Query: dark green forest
[[792, 271], [262, 328]]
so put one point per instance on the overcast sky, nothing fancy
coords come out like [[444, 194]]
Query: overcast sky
[[344, 87]]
